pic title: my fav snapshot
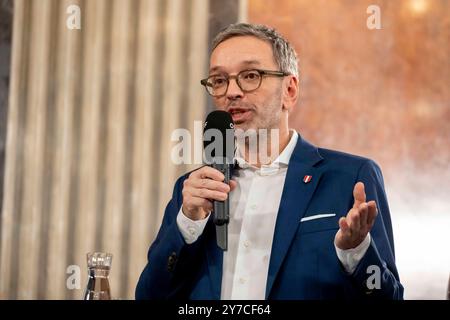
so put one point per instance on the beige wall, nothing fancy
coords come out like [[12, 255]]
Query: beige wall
[[383, 94], [88, 142]]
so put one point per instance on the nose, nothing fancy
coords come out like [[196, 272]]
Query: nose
[[234, 92]]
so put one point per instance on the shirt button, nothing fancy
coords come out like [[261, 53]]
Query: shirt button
[[253, 207], [246, 243], [191, 231], [242, 280]]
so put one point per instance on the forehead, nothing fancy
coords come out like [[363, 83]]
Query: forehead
[[236, 53]]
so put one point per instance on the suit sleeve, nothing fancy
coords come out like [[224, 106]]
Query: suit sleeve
[[376, 274], [171, 261]]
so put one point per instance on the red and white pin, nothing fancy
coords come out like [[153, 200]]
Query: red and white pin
[[307, 179]]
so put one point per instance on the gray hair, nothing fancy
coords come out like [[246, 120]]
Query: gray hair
[[284, 54]]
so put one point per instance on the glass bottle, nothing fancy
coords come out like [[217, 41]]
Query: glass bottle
[[448, 288], [99, 265]]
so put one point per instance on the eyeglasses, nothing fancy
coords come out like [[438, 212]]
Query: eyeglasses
[[247, 80]]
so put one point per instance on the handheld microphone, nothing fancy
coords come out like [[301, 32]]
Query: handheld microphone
[[218, 143]]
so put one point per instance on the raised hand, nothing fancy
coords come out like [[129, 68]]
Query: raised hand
[[354, 228]]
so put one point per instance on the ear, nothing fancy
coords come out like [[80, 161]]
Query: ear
[[290, 92]]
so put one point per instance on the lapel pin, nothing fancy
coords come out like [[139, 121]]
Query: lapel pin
[[307, 178]]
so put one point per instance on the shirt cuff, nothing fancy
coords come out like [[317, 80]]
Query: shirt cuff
[[351, 257], [190, 229]]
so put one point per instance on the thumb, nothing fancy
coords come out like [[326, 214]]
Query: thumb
[[233, 185], [359, 194]]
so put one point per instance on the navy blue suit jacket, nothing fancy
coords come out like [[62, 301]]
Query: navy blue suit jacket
[[303, 261]]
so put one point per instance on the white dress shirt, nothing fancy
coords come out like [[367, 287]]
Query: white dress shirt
[[254, 207]]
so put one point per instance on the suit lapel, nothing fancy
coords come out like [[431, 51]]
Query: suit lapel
[[294, 201]]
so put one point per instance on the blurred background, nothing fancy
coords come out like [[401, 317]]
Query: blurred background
[[86, 117]]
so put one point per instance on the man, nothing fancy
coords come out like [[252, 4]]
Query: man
[[301, 227]]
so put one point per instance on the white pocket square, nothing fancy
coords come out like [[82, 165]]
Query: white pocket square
[[318, 216]]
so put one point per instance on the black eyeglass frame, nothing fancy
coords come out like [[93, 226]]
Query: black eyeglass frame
[[262, 73]]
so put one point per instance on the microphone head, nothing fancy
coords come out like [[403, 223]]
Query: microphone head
[[218, 138]]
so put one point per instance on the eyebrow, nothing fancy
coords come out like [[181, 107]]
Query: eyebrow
[[245, 63]]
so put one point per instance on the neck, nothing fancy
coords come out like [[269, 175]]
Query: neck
[[268, 146]]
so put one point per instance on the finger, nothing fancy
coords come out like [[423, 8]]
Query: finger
[[363, 212], [354, 221], [343, 225], [372, 214], [359, 194], [208, 172], [207, 205], [233, 185], [371, 211], [209, 194], [210, 184], [201, 203]]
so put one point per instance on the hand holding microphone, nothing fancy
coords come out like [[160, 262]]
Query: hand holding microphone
[[206, 189], [201, 188]]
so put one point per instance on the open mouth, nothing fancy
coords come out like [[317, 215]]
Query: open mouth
[[240, 115]]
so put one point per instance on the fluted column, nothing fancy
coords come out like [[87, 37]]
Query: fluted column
[[91, 113]]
